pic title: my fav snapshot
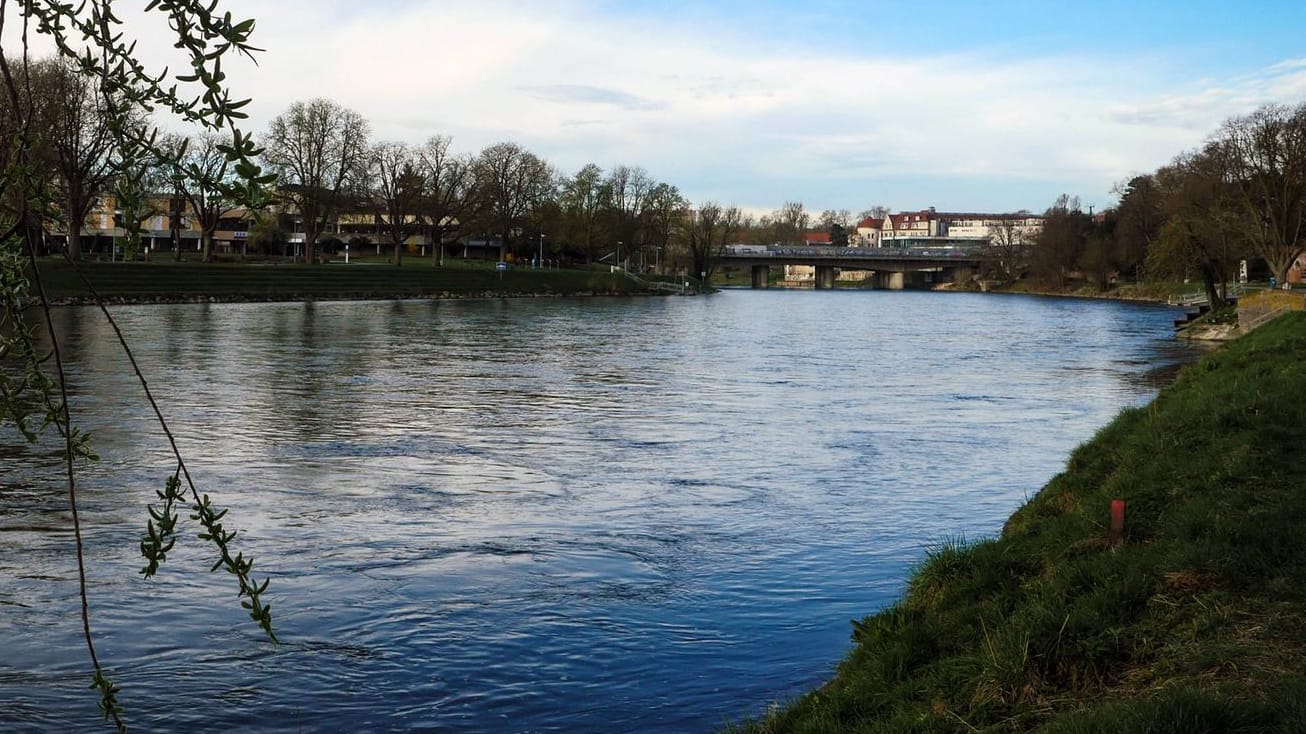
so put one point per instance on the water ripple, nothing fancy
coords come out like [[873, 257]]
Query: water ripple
[[538, 516]]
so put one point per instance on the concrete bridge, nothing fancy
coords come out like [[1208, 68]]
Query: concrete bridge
[[893, 268]]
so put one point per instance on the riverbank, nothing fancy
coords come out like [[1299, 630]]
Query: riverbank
[[222, 282], [1160, 292], [1195, 621]]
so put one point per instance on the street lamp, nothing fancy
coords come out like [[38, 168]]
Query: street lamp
[[539, 262], [618, 254]]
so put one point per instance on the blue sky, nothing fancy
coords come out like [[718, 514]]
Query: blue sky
[[992, 106]]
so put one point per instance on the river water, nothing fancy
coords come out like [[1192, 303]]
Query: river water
[[652, 514]]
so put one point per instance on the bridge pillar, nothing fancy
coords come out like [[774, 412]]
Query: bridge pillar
[[894, 281], [824, 277], [761, 276]]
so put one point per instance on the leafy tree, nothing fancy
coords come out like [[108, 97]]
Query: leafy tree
[[318, 150], [838, 235]]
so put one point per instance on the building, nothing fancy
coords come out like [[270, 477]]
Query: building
[[930, 228], [867, 233]]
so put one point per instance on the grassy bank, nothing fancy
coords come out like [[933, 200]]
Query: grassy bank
[[1196, 623], [168, 281]]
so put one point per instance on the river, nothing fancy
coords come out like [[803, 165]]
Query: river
[[534, 515]]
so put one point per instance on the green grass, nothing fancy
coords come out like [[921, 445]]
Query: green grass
[[1197, 623], [169, 281]]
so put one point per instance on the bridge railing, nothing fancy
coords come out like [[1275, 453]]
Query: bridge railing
[[816, 252]]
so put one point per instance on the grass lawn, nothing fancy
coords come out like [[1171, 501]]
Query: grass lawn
[[184, 281], [1195, 623]]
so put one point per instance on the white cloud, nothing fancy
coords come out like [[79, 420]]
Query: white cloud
[[723, 115]]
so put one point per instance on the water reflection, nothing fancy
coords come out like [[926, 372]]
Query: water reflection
[[540, 515]]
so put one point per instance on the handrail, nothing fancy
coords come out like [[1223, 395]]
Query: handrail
[[1199, 298], [655, 285], [1264, 318]]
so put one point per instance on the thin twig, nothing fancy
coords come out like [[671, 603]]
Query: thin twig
[[64, 424]]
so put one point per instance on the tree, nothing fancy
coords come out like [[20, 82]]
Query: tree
[[451, 196], [879, 211], [584, 197], [1061, 241], [706, 231], [140, 191], [317, 149], [830, 217], [1139, 218], [838, 235], [790, 223], [72, 123], [1097, 259], [628, 188], [513, 182], [1202, 229], [1006, 251], [35, 395], [397, 188], [664, 209], [201, 180], [1265, 155]]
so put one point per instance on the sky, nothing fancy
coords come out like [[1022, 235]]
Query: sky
[[988, 106]]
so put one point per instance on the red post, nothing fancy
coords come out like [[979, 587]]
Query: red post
[[1117, 534]]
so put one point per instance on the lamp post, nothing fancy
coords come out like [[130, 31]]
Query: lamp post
[[539, 262], [618, 263]]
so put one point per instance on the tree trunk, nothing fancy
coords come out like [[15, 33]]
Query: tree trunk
[[1209, 282]]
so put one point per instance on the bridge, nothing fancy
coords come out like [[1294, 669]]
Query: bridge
[[894, 268]]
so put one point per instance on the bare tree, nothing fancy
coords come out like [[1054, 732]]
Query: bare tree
[[878, 211], [1265, 155], [1139, 218], [1061, 241], [583, 198], [317, 149], [451, 196], [1007, 247], [791, 222], [398, 185], [707, 231], [628, 188], [71, 118], [513, 182], [1203, 229], [664, 208], [201, 180]]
